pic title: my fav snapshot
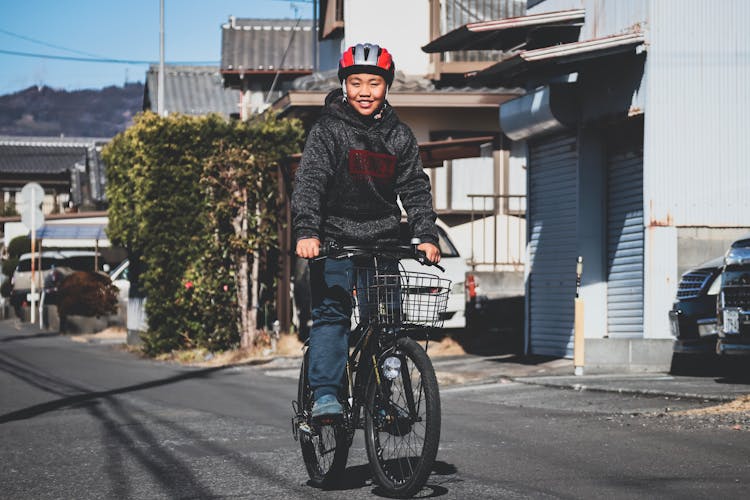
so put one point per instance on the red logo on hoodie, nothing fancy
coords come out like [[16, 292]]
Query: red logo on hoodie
[[366, 164]]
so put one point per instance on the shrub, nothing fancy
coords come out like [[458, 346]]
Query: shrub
[[86, 293], [19, 246], [171, 185], [9, 266], [6, 288]]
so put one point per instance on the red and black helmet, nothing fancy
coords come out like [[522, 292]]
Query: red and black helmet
[[367, 58]]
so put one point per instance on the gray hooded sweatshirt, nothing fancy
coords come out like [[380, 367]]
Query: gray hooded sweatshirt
[[352, 169]]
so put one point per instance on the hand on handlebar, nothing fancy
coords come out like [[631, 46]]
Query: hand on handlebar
[[431, 252], [308, 248]]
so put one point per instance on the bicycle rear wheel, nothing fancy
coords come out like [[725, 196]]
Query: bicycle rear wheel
[[402, 422], [325, 448]]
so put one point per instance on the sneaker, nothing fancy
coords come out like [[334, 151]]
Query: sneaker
[[327, 405]]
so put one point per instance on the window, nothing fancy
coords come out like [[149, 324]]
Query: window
[[24, 265]]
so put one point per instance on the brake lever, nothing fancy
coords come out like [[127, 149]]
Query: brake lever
[[422, 259]]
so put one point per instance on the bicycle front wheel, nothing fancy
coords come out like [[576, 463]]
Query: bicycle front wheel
[[402, 422], [325, 448]]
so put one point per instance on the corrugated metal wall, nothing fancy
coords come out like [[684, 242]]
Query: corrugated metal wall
[[456, 13], [625, 242], [698, 105], [552, 243], [612, 17]]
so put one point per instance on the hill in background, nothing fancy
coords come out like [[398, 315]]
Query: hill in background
[[43, 111]]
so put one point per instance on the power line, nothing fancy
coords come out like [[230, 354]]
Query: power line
[[47, 44], [95, 59]]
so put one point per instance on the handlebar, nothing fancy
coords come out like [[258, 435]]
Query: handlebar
[[331, 250]]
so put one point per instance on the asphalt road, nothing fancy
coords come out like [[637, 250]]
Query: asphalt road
[[80, 421]]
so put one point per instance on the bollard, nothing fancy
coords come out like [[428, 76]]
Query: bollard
[[578, 339], [275, 335]]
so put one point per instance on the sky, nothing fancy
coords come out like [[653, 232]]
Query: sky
[[115, 29]]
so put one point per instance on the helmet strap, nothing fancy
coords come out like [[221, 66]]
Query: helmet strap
[[343, 88]]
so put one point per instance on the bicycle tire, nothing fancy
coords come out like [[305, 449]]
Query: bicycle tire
[[325, 450], [402, 449]]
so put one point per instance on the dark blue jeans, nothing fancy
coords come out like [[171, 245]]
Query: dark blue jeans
[[331, 283]]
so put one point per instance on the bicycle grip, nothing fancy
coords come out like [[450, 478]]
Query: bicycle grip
[[326, 249], [421, 257]]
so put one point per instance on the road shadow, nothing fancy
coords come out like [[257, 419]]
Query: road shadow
[[359, 476], [354, 478], [486, 340], [735, 370], [131, 435], [18, 371], [493, 326], [527, 359], [724, 369], [30, 337]]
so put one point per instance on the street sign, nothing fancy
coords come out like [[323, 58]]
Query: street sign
[[32, 196], [30, 191]]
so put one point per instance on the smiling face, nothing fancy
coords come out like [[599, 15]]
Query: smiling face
[[365, 92]]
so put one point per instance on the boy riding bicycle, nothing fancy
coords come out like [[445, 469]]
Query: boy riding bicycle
[[358, 159]]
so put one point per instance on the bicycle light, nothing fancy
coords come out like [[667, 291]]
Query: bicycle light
[[391, 367]]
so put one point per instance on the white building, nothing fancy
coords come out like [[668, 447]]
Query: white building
[[634, 126]]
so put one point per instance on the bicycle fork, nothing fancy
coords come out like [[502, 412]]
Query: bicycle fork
[[393, 412]]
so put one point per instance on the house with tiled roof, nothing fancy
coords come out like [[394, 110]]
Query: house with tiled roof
[[191, 90], [261, 57], [69, 169]]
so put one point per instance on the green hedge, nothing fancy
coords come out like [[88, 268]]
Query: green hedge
[[17, 247], [166, 206]]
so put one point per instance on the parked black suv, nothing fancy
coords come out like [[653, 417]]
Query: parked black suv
[[734, 300], [693, 315]]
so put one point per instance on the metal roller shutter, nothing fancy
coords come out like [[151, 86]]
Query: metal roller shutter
[[552, 243], [625, 243]]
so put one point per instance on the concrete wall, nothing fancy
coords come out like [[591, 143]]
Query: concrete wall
[[617, 355]]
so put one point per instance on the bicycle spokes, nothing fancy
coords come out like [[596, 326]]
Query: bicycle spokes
[[401, 427]]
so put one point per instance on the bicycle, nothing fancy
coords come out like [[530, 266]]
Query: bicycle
[[389, 386]]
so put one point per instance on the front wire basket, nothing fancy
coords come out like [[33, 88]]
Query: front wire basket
[[408, 300]]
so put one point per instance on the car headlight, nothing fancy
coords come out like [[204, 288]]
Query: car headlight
[[715, 286]]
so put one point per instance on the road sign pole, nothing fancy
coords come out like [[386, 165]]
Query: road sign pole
[[33, 258], [32, 217]]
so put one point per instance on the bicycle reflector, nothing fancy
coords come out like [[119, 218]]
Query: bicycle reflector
[[391, 367]]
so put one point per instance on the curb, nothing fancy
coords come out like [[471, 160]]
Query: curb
[[627, 390]]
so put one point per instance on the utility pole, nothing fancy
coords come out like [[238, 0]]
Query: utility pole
[[315, 36], [160, 91]]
